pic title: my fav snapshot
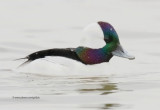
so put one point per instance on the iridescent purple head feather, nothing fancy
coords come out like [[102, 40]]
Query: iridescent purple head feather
[[109, 32]]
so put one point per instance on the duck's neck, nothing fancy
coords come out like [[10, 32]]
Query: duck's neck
[[108, 48]]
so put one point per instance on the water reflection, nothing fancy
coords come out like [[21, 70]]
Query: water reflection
[[99, 84], [41, 84], [110, 106], [103, 88], [58, 85], [106, 106]]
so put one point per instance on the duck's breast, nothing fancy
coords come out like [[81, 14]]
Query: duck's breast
[[91, 56]]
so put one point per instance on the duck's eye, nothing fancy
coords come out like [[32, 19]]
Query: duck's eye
[[108, 40]]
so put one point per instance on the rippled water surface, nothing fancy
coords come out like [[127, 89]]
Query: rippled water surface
[[63, 84]]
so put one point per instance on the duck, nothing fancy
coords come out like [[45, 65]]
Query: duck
[[87, 55]]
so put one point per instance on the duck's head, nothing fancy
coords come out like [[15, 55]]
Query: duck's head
[[111, 39]]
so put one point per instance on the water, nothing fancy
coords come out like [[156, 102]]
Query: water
[[60, 83]]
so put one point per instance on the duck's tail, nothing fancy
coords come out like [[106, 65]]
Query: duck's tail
[[23, 64]]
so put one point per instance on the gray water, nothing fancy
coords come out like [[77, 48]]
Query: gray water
[[63, 84]]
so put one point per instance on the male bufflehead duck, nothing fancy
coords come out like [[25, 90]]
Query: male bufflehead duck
[[88, 55]]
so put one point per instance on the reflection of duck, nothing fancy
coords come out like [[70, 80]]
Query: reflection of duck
[[99, 85], [88, 55], [107, 88]]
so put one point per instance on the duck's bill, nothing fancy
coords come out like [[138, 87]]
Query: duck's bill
[[120, 52]]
